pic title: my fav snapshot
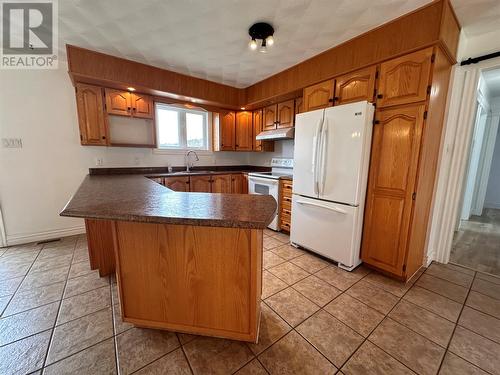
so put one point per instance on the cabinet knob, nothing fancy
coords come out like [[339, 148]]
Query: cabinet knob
[[103, 137], [330, 100], [380, 96], [128, 108]]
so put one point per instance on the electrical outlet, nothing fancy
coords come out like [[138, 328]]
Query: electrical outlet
[[12, 143], [99, 162]]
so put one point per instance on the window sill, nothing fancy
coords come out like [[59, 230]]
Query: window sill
[[161, 151]]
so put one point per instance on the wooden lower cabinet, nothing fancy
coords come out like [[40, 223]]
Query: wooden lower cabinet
[[100, 245], [180, 183], [391, 190], [200, 184], [239, 183], [221, 183], [193, 279], [285, 215]]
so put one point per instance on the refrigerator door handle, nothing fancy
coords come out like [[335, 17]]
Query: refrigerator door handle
[[323, 158], [305, 203], [315, 149]]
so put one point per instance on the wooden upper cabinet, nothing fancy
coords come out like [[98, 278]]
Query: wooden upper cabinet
[[270, 117], [286, 114], [227, 130], [142, 105], [319, 96], [89, 103], [180, 183], [405, 79], [356, 86], [239, 184], [244, 131], [118, 102], [200, 184], [221, 183], [299, 105], [393, 169], [257, 128], [124, 103]]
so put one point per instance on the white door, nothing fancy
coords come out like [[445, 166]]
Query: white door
[[345, 143], [330, 229], [307, 128]]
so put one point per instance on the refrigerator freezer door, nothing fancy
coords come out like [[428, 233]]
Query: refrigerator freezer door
[[345, 152], [307, 130], [330, 229]]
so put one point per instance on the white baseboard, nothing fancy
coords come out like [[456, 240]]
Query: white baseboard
[[42, 236], [491, 205]]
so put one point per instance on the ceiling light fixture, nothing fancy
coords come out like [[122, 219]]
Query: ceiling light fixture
[[130, 89], [261, 31]]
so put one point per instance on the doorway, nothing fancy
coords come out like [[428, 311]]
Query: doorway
[[476, 238]]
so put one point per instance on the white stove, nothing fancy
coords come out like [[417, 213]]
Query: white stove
[[267, 183]]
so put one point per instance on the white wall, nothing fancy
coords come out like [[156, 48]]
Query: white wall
[[478, 45], [493, 191], [37, 180]]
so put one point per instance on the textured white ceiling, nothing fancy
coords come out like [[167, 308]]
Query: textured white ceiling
[[209, 39], [478, 16]]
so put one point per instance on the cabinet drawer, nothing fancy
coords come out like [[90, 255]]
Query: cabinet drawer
[[285, 225], [286, 213], [286, 199], [286, 204]]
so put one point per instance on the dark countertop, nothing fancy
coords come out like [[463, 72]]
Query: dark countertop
[[163, 171], [137, 198]]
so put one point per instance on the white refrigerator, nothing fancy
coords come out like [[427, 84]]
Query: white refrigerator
[[331, 158]]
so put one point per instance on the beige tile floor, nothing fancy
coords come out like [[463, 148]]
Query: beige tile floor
[[59, 316], [477, 243]]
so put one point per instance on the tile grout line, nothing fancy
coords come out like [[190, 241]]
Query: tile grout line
[[456, 325], [320, 308], [58, 311], [115, 342], [373, 330]]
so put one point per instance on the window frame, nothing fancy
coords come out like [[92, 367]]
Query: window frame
[[182, 110]]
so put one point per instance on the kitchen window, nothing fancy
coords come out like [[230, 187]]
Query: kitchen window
[[181, 128]]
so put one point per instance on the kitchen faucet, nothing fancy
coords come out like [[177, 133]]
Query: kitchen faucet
[[188, 166]]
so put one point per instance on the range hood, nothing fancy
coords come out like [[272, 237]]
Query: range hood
[[276, 134]]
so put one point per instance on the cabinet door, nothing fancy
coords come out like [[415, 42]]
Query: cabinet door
[[142, 106], [200, 184], [404, 80], [239, 184], [227, 130], [299, 105], [90, 109], [270, 117], [257, 128], [319, 96], [286, 114], [180, 183], [244, 131], [356, 86], [221, 183], [393, 169], [118, 102]]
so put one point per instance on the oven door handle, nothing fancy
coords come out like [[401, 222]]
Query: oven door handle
[[269, 181]]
